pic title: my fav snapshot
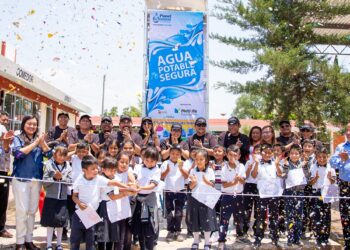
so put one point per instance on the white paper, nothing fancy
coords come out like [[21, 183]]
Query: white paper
[[207, 195], [296, 177], [118, 209], [330, 193], [88, 217], [269, 188]]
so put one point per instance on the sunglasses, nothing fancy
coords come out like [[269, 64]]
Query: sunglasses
[[203, 125], [106, 122], [147, 122], [176, 130], [285, 126]]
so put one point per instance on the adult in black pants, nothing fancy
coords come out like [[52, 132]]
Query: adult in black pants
[[4, 171]]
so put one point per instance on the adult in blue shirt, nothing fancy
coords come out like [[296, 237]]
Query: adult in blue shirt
[[341, 162], [28, 149]]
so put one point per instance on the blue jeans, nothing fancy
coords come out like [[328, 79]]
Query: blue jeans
[[294, 214]]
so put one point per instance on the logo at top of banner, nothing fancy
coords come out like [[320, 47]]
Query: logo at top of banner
[[161, 18], [176, 65]]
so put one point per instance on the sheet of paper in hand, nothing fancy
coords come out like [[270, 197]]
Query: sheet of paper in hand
[[269, 188], [296, 177], [89, 217], [207, 195], [330, 193]]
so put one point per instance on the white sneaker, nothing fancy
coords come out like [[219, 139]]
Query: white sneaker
[[214, 237]]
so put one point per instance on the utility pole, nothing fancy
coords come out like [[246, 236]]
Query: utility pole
[[103, 94]]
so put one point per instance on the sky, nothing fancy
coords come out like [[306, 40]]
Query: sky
[[72, 44]]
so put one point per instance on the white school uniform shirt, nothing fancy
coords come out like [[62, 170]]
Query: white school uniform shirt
[[209, 174], [76, 171], [187, 165], [107, 190], [174, 181], [90, 191], [146, 176], [249, 178], [322, 173], [268, 183], [124, 202], [229, 173]]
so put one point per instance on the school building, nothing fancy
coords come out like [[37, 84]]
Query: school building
[[23, 93]]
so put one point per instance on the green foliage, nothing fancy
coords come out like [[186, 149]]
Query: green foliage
[[250, 107], [132, 111], [298, 84], [112, 112]]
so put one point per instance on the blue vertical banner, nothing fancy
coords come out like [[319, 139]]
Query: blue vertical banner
[[176, 87]]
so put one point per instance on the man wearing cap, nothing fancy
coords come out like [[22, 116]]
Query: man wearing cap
[[84, 133], [287, 138], [107, 134], [126, 133], [201, 138], [174, 139], [307, 132], [234, 137], [62, 133]]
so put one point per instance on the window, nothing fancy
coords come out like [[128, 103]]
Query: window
[[48, 123], [18, 107]]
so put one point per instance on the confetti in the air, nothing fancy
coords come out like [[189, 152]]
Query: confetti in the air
[[31, 12]]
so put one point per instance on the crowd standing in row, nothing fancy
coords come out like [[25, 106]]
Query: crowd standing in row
[[257, 175]]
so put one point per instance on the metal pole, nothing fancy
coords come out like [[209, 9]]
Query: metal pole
[[103, 94]]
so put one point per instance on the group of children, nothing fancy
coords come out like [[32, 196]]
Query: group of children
[[271, 181]]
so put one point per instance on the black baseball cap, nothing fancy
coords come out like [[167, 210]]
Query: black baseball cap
[[62, 113], [284, 122], [106, 118], [84, 116], [176, 126], [306, 127], [200, 120], [233, 120], [125, 117], [147, 118]]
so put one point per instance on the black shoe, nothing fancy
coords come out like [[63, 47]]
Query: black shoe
[[31, 246], [189, 234], [256, 244]]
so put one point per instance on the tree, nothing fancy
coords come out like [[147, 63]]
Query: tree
[[132, 111], [249, 107], [112, 112], [298, 84]]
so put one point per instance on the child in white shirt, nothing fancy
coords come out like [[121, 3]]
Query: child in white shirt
[[233, 178], [321, 175], [174, 174]]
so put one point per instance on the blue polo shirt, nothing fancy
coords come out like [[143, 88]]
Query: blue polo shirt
[[27, 165], [337, 163]]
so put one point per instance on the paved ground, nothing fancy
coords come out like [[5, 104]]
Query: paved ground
[[40, 239]]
